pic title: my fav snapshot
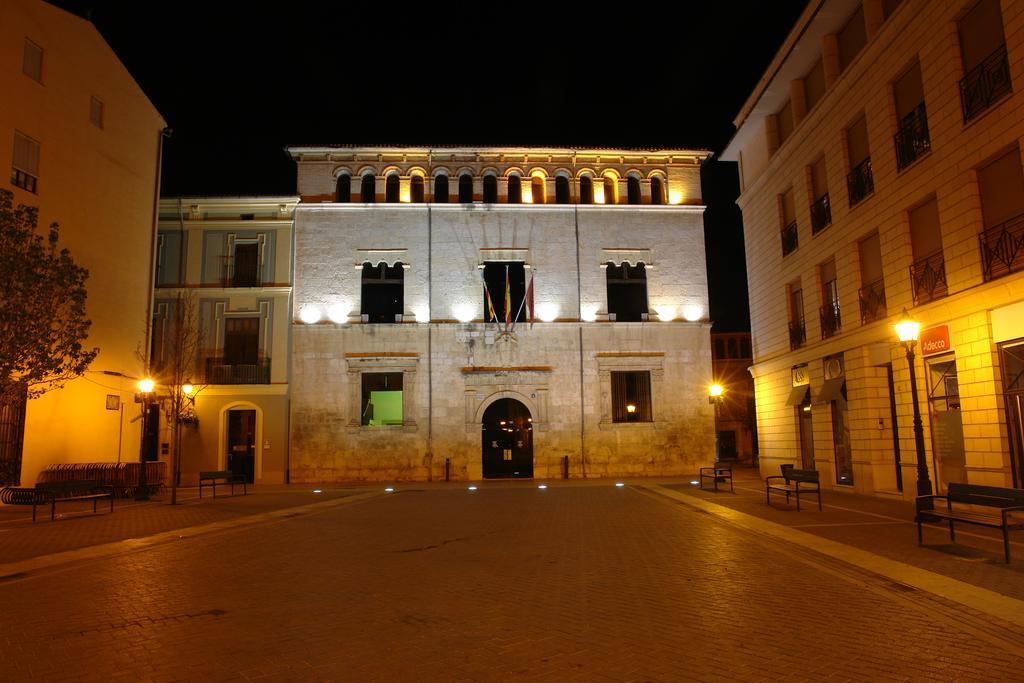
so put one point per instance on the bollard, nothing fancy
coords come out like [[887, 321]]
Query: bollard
[[447, 469]]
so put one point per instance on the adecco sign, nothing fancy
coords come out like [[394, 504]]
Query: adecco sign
[[935, 340]]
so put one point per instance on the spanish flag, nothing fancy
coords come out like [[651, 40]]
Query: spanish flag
[[508, 299]]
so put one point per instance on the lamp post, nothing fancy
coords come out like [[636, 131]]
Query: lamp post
[[146, 387], [908, 329], [716, 394]]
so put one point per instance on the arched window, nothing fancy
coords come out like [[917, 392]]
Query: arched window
[[368, 188], [490, 189], [586, 190], [561, 190], [515, 190], [391, 188], [343, 189], [537, 189], [611, 190], [657, 194], [465, 189], [416, 189], [441, 189], [633, 190]]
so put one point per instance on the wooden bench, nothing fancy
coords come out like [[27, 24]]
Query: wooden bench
[[1008, 510], [793, 481], [224, 478], [719, 472], [54, 492]]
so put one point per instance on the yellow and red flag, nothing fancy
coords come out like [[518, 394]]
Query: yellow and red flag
[[508, 299], [491, 315]]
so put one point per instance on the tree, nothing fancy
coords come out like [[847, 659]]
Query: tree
[[42, 307]]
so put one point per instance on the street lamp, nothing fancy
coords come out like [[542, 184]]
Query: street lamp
[[716, 394], [908, 329], [146, 387]]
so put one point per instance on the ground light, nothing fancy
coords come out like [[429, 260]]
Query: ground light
[[317, 491], [695, 482], [619, 484], [543, 486], [389, 489], [472, 488]]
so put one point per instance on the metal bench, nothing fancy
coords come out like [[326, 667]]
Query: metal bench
[[54, 492], [1008, 513], [224, 478], [793, 481], [719, 472]]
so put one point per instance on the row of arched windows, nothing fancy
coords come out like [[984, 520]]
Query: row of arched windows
[[514, 195]]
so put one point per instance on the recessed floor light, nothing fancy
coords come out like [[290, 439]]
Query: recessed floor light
[[317, 491], [472, 488], [695, 482], [389, 490], [543, 486], [619, 484]]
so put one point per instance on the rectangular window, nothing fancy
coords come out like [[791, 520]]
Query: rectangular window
[[785, 118], [241, 341], [32, 61], [857, 141], [814, 84], [382, 398], [821, 208], [860, 182], [831, 322], [631, 396], [170, 253], [872, 291], [245, 265], [912, 138], [25, 166], [627, 292], [797, 327], [928, 272], [981, 33], [1001, 183], [852, 38], [96, 112], [383, 293], [908, 91], [983, 50], [508, 307]]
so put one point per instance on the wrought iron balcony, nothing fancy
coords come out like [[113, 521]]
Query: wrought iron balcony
[[25, 181], [912, 140], [797, 334], [821, 214], [789, 239], [227, 371], [1002, 248], [928, 278], [831, 320], [243, 276], [985, 83], [860, 182], [872, 302]]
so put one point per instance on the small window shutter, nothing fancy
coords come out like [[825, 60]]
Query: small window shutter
[[26, 154]]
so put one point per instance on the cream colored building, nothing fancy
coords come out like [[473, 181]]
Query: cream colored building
[[880, 170], [233, 256], [399, 370], [80, 141]]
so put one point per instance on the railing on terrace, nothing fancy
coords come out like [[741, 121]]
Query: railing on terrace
[[225, 371], [241, 277], [860, 182], [928, 278], [831, 320], [872, 302], [797, 334], [821, 214], [912, 140], [985, 83], [1002, 248], [790, 240]]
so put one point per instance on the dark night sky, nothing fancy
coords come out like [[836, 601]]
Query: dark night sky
[[237, 84]]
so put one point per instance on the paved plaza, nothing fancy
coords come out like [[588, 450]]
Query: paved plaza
[[579, 581]]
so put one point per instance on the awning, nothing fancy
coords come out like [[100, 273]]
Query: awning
[[797, 395], [830, 390]]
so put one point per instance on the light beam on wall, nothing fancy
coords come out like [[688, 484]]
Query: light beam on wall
[[589, 313], [464, 313], [547, 311], [338, 313], [310, 314], [666, 313], [693, 312]]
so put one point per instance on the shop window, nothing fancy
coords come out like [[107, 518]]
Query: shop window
[[627, 292], [383, 293], [381, 398], [946, 421], [631, 396]]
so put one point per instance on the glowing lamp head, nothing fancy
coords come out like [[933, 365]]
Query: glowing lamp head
[[716, 390], [630, 408], [907, 329], [146, 385], [188, 389]]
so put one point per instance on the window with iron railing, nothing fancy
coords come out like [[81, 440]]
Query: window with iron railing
[[912, 140], [821, 214], [797, 333], [985, 84], [860, 182], [797, 328], [790, 240], [872, 302], [244, 269], [223, 370], [1002, 248], [928, 278], [831, 321]]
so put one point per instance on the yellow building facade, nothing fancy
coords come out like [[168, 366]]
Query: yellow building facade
[[80, 141], [880, 169]]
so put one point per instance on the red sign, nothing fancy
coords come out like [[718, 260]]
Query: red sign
[[935, 340]]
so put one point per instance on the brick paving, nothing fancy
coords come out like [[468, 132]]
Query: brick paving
[[576, 582]]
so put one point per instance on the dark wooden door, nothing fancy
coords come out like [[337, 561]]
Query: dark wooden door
[[242, 443], [507, 431]]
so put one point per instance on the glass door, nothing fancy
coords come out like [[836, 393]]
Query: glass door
[[947, 424]]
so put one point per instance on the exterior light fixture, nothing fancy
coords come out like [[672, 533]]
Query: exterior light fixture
[[472, 488], [389, 489], [547, 312], [666, 313], [630, 408], [907, 331], [317, 491], [693, 312], [675, 197], [422, 314], [619, 484], [338, 313], [146, 385], [464, 313], [188, 389], [695, 483], [309, 315], [542, 486], [589, 314], [716, 394]]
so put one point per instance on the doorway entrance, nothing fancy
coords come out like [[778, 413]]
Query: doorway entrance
[[507, 430], [242, 443]]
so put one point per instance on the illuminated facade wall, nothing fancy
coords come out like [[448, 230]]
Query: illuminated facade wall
[[453, 363], [880, 169], [93, 169]]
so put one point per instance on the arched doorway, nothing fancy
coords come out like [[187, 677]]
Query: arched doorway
[[507, 430]]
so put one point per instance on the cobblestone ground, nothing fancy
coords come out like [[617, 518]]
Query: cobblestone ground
[[574, 582]]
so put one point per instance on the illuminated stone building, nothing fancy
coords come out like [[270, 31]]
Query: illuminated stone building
[[730, 361], [399, 370], [80, 141], [880, 170], [234, 254]]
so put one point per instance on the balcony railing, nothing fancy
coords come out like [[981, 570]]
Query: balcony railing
[[25, 181], [226, 371], [872, 302], [985, 83], [831, 320], [928, 278], [860, 182], [821, 214], [1002, 248], [241, 276], [912, 140], [789, 239], [797, 334]]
